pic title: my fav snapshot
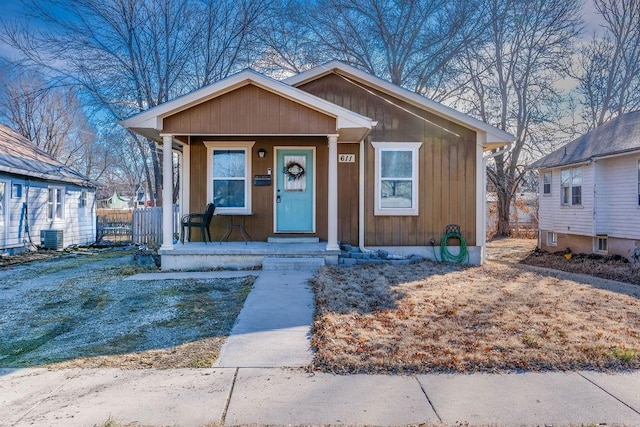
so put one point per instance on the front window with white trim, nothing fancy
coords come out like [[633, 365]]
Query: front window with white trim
[[601, 244], [55, 203], [552, 238], [396, 184], [229, 168]]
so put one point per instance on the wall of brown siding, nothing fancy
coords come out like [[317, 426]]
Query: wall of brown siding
[[249, 110], [260, 224], [446, 165]]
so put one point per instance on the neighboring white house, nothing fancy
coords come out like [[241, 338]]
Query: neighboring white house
[[41, 200], [590, 191]]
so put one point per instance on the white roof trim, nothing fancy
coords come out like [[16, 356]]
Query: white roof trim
[[153, 117], [494, 135]]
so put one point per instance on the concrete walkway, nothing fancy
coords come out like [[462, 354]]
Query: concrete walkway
[[273, 329], [258, 380]]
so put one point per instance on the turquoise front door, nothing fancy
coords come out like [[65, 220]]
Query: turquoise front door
[[294, 196]]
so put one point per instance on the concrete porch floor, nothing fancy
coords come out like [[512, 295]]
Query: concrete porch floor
[[237, 255]]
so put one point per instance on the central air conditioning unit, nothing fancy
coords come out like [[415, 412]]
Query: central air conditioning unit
[[52, 239]]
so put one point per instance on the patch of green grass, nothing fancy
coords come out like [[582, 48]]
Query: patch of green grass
[[623, 354], [202, 361], [13, 350]]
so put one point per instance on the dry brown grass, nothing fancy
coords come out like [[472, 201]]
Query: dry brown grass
[[198, 354], [447, 318]]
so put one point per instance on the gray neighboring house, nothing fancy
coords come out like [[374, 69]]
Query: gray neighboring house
[[42, 201], [590, 191]]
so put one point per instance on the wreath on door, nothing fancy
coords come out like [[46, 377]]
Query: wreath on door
[[294, 171]]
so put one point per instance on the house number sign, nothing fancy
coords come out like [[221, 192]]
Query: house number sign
[[346, 158]]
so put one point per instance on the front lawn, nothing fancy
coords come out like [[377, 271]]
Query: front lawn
[[78, 311], [434, 317]]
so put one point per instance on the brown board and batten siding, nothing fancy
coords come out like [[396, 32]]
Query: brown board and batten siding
[[249, 110], [260, 224], [447, 169]]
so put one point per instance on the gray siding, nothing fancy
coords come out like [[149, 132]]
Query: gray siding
[[567, 219], [78, 223], [617, 207]]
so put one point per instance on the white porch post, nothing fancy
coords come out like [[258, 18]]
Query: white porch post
[[167, 192], [332, 216]]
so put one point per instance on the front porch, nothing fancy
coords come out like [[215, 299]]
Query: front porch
[[240, 255]]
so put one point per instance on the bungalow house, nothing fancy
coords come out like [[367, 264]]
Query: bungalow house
[[590, 191], [42, 201], [332, 153]]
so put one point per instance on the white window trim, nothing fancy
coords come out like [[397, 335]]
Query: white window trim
[[550, 183], [230, 145], [552, 238], [414, 147], [62, 204], [596, 248]]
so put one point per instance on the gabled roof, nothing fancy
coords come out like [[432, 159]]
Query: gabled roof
[[495, 137], [20, 156], [617, 136], [149, 122]]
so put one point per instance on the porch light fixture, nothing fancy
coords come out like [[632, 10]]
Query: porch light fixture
[[262, 152]]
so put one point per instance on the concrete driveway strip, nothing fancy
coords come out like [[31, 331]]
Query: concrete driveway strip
[[273, 328], [531, 398], [185, 397], [295, 397]]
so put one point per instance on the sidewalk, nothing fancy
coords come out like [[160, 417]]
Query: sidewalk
[[277, 396], [259, 379]]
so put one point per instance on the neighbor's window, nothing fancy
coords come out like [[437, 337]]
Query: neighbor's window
[[571, 186], [546, 184], [230, 177], [396, 184], [552, 238], [55, 203], [83, 199], [16, 191], [601, 244]]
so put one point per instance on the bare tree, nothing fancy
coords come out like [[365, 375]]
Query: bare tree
[[511, 81], [410, 43], [52, 118], [130, 55], [608, 70]]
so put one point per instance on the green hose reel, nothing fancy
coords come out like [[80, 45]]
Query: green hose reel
[[452, 231]]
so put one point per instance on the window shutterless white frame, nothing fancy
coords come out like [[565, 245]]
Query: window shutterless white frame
[[546, 183], [245, 146], [552, 238], [55, 204], [571, 186], [380, 148]]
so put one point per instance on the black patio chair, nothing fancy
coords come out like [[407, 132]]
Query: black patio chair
[[199, 220]]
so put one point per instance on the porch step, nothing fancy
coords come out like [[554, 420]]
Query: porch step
[[285, 263], [278, 239]]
